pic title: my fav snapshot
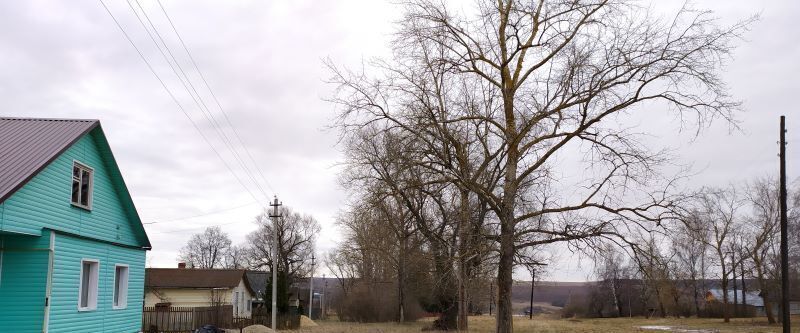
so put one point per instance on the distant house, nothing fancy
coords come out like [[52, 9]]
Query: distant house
[[752, 299], [190, 287], [298, 290], [72, 246], [259, 282]]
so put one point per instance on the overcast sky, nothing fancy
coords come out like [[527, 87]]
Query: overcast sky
[[264, 62]]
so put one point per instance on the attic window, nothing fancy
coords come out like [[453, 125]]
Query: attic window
[[82, 181]]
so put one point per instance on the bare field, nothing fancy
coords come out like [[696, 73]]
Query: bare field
[[544, 324]]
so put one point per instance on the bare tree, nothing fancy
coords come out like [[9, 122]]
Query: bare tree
[[610, 269], [236, 257], [296, 236], [208, 249], [690, 245], [763, 232], [545, 76], [720, 208]]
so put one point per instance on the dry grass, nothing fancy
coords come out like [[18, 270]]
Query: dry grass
[[542, 324]]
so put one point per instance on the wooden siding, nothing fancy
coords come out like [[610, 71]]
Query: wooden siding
[[64, 314], [23, 280], [200, 298], [44, 202]]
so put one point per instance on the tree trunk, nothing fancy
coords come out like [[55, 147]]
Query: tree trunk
[[617, 295], [505, 283], [445, 291], [744, 288], [735, 291], [696, 298], [463, 262], [660, 302], [401, 315], [725, 308], [762, 282], [505, 267]]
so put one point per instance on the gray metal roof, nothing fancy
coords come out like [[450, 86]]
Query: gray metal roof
[[752, 298], [27, 145]]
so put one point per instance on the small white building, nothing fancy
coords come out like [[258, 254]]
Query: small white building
[[190, 287]]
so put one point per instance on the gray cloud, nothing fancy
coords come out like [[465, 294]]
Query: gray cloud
[[264, 61]]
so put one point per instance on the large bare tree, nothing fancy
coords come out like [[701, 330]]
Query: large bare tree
[[535, 82]]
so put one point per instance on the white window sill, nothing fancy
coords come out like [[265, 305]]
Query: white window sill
[[86, 309], [89, 208], [123, 307]]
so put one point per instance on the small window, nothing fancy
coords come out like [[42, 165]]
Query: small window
[[87, 299], [82, 185], [121, 287], [236, 302]]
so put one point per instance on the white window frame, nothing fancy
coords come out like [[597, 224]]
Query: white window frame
[[94, 283], [123, 300], [85, 167], [236, 303]]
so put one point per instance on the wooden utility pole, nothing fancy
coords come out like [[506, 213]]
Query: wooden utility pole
[[275, 215], [787, 326], [311, 287], [532, 267]]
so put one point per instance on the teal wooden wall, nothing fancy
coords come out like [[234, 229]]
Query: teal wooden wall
[[23, 281], [109, 233], [64, 314], [45, 200]]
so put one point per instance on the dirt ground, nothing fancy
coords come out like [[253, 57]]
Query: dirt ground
[[547, 324]]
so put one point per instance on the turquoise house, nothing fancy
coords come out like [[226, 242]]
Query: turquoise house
[[72, 246]]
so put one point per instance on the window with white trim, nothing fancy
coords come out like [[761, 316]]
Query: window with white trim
[[87, 296], [82, 182], [236, 302], [120, 286]]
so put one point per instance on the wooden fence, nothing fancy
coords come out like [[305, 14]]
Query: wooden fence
[[187, 319]]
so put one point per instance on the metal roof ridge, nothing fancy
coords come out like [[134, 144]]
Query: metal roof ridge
[[47, 119]]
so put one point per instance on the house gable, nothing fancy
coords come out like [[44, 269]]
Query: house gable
[[44, 200]]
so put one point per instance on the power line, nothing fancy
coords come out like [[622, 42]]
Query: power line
[[203, 214], [214, 96], [195, 228], [204, 110], [174, 99]]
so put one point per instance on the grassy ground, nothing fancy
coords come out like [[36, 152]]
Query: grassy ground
[[542, 324]]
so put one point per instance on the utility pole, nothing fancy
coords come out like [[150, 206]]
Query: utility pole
[[787, 326], [275, 216], [744, 287], [322, 297], [311, 287], [532, 268]]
